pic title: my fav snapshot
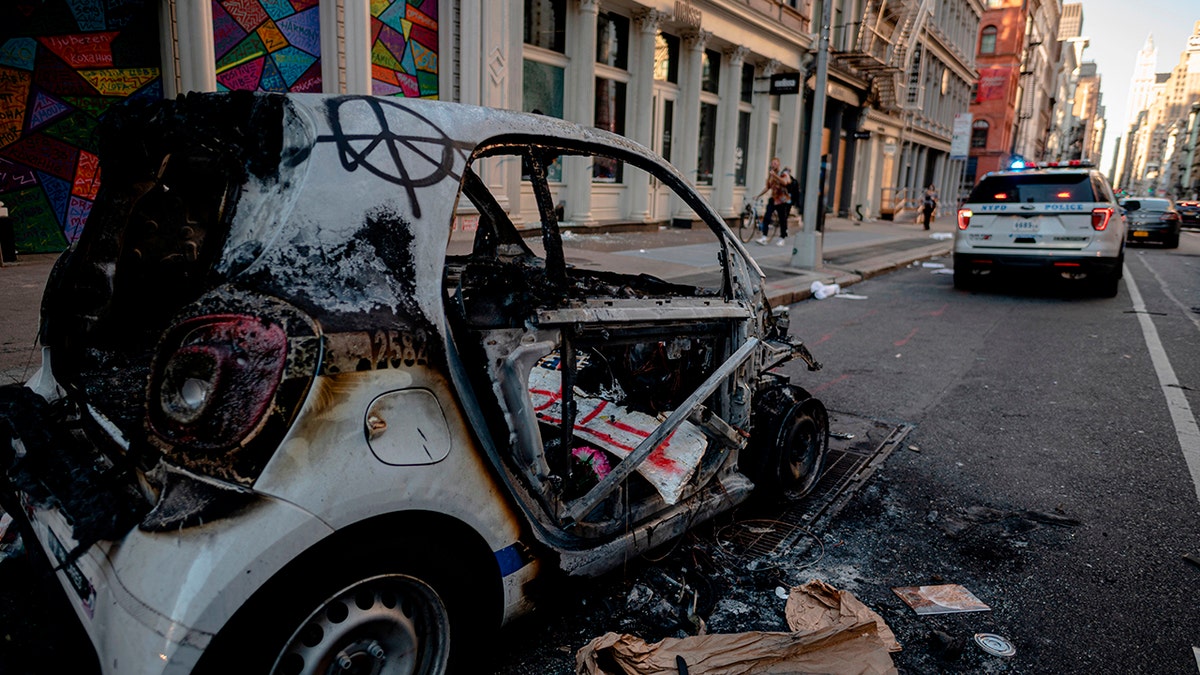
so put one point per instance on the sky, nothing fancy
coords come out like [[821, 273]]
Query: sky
[[1117, 30]]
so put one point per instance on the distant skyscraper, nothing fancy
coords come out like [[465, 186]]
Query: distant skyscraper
[[1141, 87], [1071, 23]]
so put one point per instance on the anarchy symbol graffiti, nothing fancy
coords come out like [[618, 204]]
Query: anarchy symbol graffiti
[[420, 157]]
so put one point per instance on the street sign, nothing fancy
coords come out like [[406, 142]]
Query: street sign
[[960, 139], [862, 135], [785, 83]]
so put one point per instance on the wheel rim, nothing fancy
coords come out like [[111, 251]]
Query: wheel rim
[[385, 625]]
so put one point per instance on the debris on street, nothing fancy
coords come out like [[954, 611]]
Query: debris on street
[[821, 291], [933, 266], [940, 599], [11, 545], [833, 650], [832, 632], [817, 604], [995, 644]]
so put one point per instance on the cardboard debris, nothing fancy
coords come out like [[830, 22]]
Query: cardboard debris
[[817, 604], [618, 430], [941, 599], [835, 650], [833, 632]]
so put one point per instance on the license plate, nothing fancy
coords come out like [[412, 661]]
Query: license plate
[[1140, 233], [1026, 226]]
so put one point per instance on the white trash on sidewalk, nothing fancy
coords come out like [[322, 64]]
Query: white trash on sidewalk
[[821, 291]]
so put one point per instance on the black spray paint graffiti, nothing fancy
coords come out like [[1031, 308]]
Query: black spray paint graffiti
[[422, 156]]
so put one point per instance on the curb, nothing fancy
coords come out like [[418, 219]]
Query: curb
[[844, 278]]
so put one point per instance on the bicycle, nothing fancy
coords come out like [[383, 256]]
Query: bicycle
[[750, 221]]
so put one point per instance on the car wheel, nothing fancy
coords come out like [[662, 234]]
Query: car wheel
[[1171, 241], [1107, 285], [965, 279], [362, 599], [794, 440], [391, 623]]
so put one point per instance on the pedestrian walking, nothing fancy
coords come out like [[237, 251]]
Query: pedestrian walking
[[929, 202], [777, 203]]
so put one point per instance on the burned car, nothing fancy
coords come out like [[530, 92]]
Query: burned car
[[283, 425]]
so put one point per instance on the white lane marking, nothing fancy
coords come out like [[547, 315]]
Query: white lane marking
[[1177, 405], [1192, 316]]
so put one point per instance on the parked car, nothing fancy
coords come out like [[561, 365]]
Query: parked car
[[1052, 220], [1189, 213], [1152, 219], [280, 428]]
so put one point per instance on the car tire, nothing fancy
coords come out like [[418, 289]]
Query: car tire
[[792, 430], [1108, 285], [379, 608], [1171, 241], [965, 278]]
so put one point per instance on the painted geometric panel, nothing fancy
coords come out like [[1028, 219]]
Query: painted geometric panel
[[65, 64], [267, 45], [404, 49]]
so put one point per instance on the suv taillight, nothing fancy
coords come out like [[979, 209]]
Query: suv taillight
[[964, 218], [214, 380], [1100, 217]]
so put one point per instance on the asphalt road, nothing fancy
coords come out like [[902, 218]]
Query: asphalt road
[[1046, 474], [1027, 399]]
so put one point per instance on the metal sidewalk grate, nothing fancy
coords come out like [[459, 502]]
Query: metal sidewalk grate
[[849, 464]]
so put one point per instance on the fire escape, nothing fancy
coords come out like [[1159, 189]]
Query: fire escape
[[885, 48], [887, 52]]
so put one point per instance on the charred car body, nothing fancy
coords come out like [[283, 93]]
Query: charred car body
[[279, 427]]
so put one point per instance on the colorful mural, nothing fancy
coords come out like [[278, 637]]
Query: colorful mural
[[69, 62], [267, 45], [404, 48]]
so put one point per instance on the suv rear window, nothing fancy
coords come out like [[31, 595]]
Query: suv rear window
[[1033, 188]]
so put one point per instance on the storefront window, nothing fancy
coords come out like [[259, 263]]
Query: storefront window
[[546, 24], [668, 123], [710, 71], [747, 82], [610, 116], [543, 94], [708, 144], [743, 148], [666, 58], [612, 40]]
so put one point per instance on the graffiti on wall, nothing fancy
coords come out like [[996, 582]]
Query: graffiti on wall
[[267, 45], [404, 48], [67, 63]]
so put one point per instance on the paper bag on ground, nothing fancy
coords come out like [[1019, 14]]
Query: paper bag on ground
[[817, 604], [836, 650]]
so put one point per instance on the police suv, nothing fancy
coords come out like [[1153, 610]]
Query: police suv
[[1061, 219]]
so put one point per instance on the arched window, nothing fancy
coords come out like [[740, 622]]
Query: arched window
[[987, 40], [979, 131]]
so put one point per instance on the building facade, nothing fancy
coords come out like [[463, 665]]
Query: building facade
[[1157, 139], [690, 79], [1019, 63]]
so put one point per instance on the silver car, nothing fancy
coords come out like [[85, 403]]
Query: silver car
[[311, 400], [1061, 222]]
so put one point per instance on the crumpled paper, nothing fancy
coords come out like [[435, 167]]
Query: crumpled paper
[[833, 633], [817, 604]]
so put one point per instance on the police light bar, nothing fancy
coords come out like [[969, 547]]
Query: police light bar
[[1018, 165]]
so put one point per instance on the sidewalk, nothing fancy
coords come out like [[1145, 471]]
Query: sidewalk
[[852, 252]]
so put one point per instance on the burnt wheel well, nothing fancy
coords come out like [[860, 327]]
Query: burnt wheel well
[[444, 551]]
